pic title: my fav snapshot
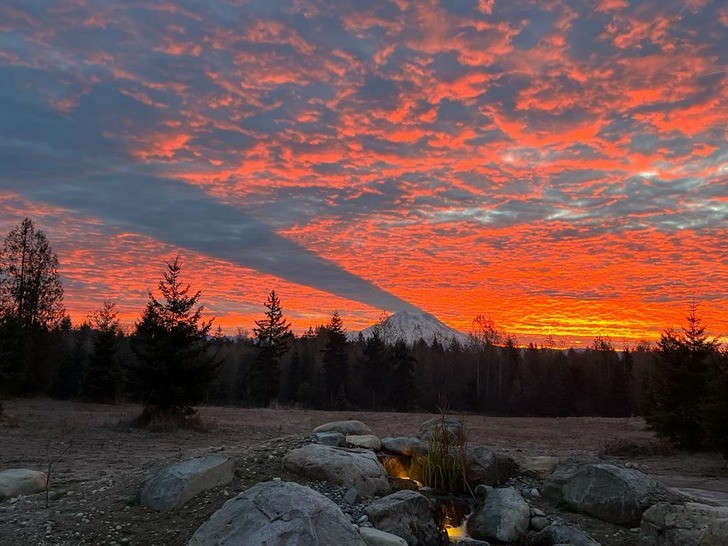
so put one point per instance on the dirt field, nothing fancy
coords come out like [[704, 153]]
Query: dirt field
[[99, 462]]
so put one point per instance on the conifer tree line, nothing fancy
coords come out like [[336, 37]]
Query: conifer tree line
[[172, 360]]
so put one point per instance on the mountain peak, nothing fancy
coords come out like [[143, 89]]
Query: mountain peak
[[411, 326]]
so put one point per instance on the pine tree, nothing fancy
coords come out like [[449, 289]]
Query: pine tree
[[174, 368], [273, 335], [402, 365], [103, 377], [376, 369], [714, 409], [31, 305], [680, 383], [30, 286], [335, 360]]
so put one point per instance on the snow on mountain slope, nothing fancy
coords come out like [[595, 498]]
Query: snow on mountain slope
[[412, 327]]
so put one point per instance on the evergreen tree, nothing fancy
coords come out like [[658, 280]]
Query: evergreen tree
[[335, 360], [376, 369], [103, 377], [680, 383], [174, 368], [273, 335], [715, 408], [31, 305], [402, 365], [30, 286]]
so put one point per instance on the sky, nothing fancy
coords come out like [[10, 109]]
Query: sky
[[558, 166]]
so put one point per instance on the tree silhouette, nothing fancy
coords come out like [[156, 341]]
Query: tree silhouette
[[680, 382], [103, 376], [715, 407], [376, 369], [174, 368], [31, 305], [336, 361], [30, 286], [402, 366], [273, 335]]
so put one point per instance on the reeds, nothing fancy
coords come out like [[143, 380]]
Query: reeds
[[444, 467]]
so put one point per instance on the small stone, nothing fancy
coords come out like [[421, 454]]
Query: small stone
[[635, 530], [482, 490], [534, 492], [538, 523], [351, 495], [363, 519], [536, 512]]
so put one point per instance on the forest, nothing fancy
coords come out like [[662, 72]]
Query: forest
[[174, 358]]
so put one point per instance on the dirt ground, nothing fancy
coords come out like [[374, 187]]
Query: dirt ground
[[98, 463]]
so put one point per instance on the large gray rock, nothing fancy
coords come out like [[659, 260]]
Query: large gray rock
[[563, 534], [365, 441], [405, 445], [503, 517], [607, 492], [375, 537], [329, 438], [172, 486], [347, 428], [277, 513], [539, 467], [407, 514], [357, 468], [489, 468], [20, 481], [451, 425], [684, 525]]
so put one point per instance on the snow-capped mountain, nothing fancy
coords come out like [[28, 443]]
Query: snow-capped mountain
[[411, 327]]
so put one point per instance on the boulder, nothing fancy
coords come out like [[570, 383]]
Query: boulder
[[347, 428], [172, 486], [407, 514], [357, 468], [20, 481], [563, 534], [503, 517], [274, 512], [452, 425], [329, 438], [488, 468], [375, 537], [684, 525], [607, 492], [540, 467], [405, 445], [365, 441], [538, 523]]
